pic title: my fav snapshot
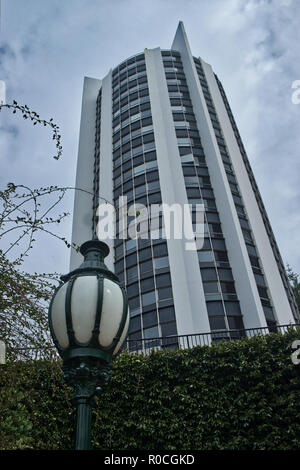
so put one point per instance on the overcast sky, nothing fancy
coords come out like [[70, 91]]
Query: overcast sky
[[48, 46]]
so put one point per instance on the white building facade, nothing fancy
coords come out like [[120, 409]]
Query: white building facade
[[158, 129]]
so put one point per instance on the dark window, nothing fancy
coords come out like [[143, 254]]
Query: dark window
[[126, 166], [193, 192], [153, 185], [135, 323], [139, 180], [152, 176], [206, 244], [262, 292], [150, 319], [218, 244], [204, 181], [162, 262], [135, 125], [209, 203], [164, 293], [228, 287], [181, 133], [138, 161], [133, 96], [166, 314], [269, 314], [149, 156], [208, 274], [260, 279], [127, 175], [151, 333], [254, 261], [191, 181], [225, 274], [146, 266], [142, 243], [168, 329], [244, 223], [221, 256], [212, 217], [142, 200], [142, 93], [178, 116], [127, 186], [124, 116], [215, 308], [189, 171], [163, 280], [251, 249], [135, 337], [140, 190], [116, 154], [149, 298], [205, 256], [215, 228], [217, 323], [236, 323], [145, 254], [232, 308], [132, 273], [247, 236], [207, 193], [119, 266], [119, 251], [117, 172], [148, 138], [131, 260], [133, 289], [134, 303], [185, 151], [155, 198], [210, 287], [160, 250], [202, 171], [147, 284], [136, 142], [146, 121]]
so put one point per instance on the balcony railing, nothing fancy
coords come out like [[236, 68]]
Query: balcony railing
[[145, 346], [201, 339]]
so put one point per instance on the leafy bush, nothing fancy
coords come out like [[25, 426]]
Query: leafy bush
[[237, 395]]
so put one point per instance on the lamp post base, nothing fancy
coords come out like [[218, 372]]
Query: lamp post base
[[86, 375]]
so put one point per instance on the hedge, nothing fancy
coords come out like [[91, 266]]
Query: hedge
[[240, 395]]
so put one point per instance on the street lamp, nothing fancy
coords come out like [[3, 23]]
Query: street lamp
[[88, 319]]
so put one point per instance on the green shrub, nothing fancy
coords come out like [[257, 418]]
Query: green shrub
[[236, 395]]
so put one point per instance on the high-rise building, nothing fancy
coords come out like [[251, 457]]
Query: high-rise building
[[158, 129]]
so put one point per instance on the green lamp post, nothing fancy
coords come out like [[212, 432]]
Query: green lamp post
[[88, 319]]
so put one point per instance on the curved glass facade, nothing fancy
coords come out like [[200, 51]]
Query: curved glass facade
[[142, 264]]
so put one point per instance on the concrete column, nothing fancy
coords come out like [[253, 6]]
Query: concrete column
[[83, 201]]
